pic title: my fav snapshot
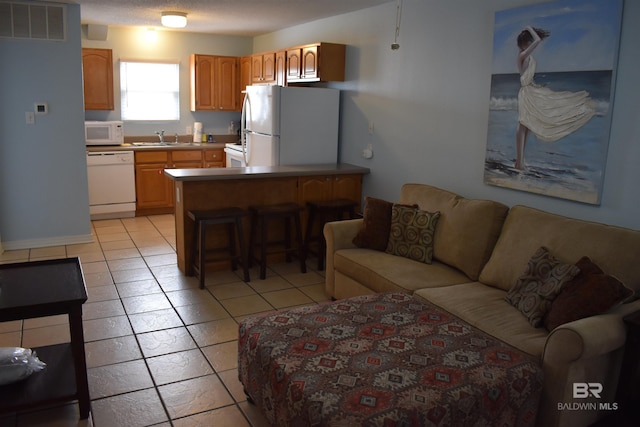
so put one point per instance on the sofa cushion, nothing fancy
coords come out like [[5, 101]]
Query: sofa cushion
[[411, 233], [591, 292], [382, 272], [540, 284], [467, 229], [374, 233], [614, 249], [485, 308]]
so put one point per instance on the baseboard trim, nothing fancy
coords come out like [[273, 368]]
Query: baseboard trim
[[43, 243]]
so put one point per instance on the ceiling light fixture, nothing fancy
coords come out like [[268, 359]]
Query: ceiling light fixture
[[174, 19]]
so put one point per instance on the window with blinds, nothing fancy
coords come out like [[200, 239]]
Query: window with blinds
[[150, 91]]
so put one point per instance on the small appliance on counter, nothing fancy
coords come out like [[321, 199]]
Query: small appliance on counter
[[104, 133]]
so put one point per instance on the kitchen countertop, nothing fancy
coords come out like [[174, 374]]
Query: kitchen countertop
[[157, 147], [151, 143], [254, 172]]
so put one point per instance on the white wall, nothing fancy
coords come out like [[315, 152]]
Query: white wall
[[43, 177], [428, 102], [133, 43]]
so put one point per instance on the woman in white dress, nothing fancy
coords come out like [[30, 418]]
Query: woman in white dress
[[550, 115]]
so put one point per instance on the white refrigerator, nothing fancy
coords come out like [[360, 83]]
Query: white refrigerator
[[290, 125]]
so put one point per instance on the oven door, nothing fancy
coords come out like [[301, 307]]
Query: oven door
[[234, 158]]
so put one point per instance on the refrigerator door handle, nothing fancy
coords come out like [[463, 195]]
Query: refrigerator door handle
[[246, 103]]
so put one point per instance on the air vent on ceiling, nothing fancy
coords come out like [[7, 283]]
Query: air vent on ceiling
[[40, 21]]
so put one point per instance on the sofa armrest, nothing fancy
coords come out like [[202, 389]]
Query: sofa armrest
[[338, 235], [584, 338], [589, 337], [584, 351]]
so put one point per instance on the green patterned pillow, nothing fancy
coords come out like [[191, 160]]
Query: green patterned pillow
[[535, 290], [411, 234]]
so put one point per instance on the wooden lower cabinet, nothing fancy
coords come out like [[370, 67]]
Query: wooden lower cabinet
[[214, 158], [154, 191]]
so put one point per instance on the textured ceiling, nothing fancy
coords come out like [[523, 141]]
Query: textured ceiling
[[232, 17]]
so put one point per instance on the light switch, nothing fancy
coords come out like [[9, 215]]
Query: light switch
[[31, 117]]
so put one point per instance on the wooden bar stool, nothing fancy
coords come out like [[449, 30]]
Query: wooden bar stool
[[232, 218], [320, 213], [261, 220]]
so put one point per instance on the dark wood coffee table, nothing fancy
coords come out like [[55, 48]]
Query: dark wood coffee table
[[38, 289]]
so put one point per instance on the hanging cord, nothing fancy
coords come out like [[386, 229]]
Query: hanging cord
[[395, 45]]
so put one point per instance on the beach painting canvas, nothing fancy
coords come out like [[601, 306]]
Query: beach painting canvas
[[552, 87]]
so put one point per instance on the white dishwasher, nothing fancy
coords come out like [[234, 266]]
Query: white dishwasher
[[112, 184]]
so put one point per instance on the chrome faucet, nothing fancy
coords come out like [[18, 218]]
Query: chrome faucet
[[161, 136]]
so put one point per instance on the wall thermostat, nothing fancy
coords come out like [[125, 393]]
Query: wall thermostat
[[41, 108]]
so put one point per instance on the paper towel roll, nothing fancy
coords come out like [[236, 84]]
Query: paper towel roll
[[197, 131]]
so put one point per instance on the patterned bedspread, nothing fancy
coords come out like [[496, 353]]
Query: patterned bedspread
[[383, 360]]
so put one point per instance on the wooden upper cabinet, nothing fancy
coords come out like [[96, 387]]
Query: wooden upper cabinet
[[318, 62], [97, 71], [202, 72], [293, 64], [246, 74], [263, 68], [227, 79], [281, 68], [214, 83]]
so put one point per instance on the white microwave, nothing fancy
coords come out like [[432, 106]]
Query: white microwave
[[104, 133]]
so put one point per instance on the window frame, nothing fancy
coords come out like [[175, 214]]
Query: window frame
[[173, 115]]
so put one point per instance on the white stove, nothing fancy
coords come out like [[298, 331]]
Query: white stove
[[234, 154]]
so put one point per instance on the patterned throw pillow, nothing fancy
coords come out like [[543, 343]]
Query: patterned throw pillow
[[411, 234], [540, 284], [591, 292]]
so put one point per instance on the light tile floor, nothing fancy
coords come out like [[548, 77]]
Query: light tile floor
[[160, 351]]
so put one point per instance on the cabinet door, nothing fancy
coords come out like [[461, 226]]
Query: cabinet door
[[269, 68], [314, 188], [309, 66], [347, 187], [293, 63], [226, 83], [202, 83], [245, 77], [281, 68], [214, 158], [153, 188], [256, 68], [97, 70]]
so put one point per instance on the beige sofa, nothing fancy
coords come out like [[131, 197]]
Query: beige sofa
[[481, 247]]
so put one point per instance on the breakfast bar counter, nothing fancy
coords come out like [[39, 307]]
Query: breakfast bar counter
[[216, 188]]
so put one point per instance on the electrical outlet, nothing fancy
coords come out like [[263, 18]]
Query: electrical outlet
[[189, 130], [30, 117]]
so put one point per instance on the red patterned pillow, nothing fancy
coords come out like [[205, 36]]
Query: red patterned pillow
[[591, 292], [374, 233]]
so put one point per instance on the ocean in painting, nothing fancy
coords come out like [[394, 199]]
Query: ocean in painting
[[571, 168]]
